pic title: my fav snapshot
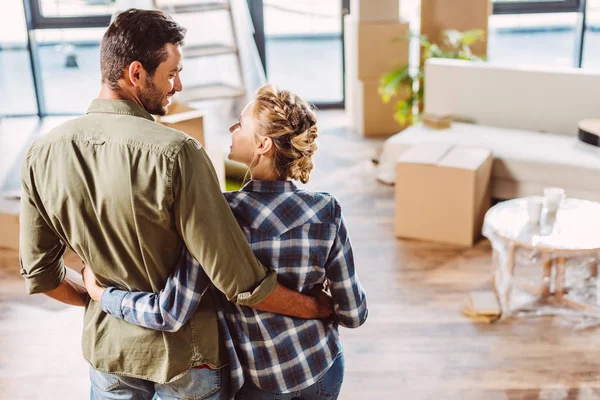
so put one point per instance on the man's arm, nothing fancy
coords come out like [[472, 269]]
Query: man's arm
[[214, 238], [289, 302], [41, 250], [70, 291]]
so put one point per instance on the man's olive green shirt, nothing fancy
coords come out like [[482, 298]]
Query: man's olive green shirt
[[126, 194]]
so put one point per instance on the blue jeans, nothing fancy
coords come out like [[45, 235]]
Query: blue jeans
[[326, 388], [196, 383]]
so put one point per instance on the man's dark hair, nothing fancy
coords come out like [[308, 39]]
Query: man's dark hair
[[137, 35]]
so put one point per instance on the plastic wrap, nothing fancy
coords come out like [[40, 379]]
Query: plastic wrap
[[546, 267]]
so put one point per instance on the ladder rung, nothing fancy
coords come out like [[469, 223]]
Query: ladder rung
[[205, 50], [209, 91], [194, 7]]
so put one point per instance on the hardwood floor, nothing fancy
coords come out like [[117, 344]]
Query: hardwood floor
[[415, 344]]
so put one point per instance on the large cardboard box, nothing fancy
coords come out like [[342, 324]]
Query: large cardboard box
[[374, 48], [185, 119], [368, 114], [442, 193], [375, 10], [9, 223]]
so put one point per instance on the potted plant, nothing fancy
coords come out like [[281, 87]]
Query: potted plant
[[455, 45]]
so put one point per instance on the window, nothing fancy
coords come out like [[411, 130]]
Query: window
[[303, 47], [63, 42], [544, 39], [548, 32], [69, 64], [17, 94]]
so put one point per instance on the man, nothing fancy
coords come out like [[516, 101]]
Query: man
[[126, 194]]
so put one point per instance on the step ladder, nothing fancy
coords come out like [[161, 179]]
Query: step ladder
[[242, 31]]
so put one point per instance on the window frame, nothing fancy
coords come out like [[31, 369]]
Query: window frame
[[536, 7], [39, 21]]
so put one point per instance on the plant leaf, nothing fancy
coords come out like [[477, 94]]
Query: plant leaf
[[472, 36], [389, 84]]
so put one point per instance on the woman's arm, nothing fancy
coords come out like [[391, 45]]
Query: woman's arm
[[167, 310], [173, 306], [349, 298]]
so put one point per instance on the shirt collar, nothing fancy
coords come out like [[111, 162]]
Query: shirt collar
[[105, 106], [270, 186]]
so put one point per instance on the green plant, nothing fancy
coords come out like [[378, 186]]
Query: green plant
[[455, 45]]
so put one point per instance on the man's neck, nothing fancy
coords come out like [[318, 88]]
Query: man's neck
[[106, 93]]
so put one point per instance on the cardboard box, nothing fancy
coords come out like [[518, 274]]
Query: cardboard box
[[373, 49], [462, 15], [435, 121], [442, 193], [9, 224], [217, 157], [375, 10], [191, 121], [185, 119], [369, 115]]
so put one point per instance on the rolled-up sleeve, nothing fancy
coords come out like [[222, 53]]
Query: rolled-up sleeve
[[40, 250], [211, 233]]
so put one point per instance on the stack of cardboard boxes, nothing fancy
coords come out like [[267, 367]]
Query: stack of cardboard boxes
[[376, 43]]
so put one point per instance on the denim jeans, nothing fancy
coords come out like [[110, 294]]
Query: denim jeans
[[196, 383], [326, 388]]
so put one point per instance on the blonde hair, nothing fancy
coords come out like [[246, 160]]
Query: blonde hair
[[291, 123]]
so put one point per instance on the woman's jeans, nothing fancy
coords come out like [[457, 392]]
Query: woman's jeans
[[326, 388]]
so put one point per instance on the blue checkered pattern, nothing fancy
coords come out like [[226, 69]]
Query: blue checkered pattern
[[302, 236], [168, 310]]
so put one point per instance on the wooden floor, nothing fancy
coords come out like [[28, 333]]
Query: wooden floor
[[415, 344]]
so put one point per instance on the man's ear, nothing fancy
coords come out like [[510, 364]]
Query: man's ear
[[265, 145], [135, 74]]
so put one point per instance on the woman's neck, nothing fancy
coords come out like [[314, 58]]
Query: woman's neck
[[264, 171], [264, 176]]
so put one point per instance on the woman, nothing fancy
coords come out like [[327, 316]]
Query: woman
[[299, 234]]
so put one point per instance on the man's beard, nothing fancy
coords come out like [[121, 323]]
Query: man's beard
[[152, 98]]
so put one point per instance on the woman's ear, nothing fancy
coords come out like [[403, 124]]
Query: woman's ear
[[265, 145]]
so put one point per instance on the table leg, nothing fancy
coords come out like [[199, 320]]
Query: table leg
[[598, 292], [559, 288], [594, 269], [547, 275], [510, 268]]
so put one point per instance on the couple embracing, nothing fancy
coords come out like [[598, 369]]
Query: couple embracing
[[190, 293]]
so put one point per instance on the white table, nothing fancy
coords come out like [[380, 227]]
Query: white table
[[571, 232]]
